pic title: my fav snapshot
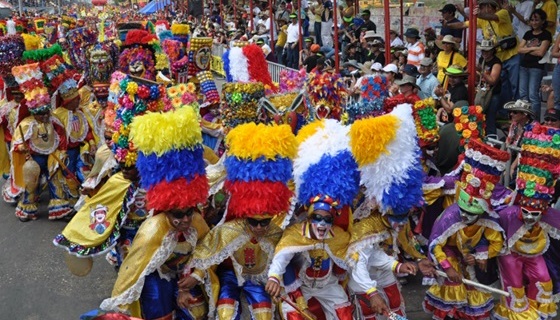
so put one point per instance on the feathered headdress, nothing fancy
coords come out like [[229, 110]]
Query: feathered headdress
[[181, 32], [424, 113], [539, 167], [42, 54], [259, 166], [374, 92], [247, 64], [324, 170], [387, 152], [137, 48], [136, 98], [11, 51], [30, 80], [60, 78], [171, 170], [208, 88], [79, 40], [482, 169]]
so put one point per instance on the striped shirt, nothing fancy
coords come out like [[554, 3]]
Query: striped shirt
[[415, 53]]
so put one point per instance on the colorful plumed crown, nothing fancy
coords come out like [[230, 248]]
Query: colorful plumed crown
[[170, 159], [181, 32], [247, 64], [324, 168], [482, 169], [60, 78], [136, 98], [259, 166], [208, 88], [11, 51], [539, 166], [138, 47], [469, 123], [30, 80], [42, 54], [374, 92], [388, 155], [424, 112], [326, 93], [241, 103]]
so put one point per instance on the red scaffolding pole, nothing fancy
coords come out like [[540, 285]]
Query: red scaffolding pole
[[471, 54], [251, 26], [300, 42], [402, 15], [271, 26], [387, 21], [335, 21], [235, 12], [222, 13]]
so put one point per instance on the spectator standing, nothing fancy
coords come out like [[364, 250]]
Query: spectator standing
[[534, 45], [292, 42], [495, 23], [282, 12], [368, 24], [521, 14], [327, 24], [414, 46], [448, 15], [281, 42], [551, 9], [317, 11]]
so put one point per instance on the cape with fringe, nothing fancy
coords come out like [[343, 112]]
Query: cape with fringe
[[154, 243]]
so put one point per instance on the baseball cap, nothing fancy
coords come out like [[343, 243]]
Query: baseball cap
[[366, 13], [315, 48], [376, 67], [411, 70], [391, 67], [448, 8], [426, 62]]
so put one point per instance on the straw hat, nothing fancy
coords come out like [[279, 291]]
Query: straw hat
[[446, 39], [521, 106]]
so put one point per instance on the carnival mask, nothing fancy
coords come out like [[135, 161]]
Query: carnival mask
[[531, 217], [321, 225], [137, 68], [468, 217]]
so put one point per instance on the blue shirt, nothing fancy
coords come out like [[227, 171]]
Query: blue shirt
[[427, 85]]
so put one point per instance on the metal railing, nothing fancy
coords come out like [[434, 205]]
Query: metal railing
[[274, 69]]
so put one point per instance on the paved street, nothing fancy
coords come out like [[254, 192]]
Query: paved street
[[35, 283]]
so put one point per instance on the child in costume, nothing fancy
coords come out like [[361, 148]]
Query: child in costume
[[529, 224], [465, 238], [393, 181], [38, 146], [81, 142], [240, 250], [327, 180], [148, 282]]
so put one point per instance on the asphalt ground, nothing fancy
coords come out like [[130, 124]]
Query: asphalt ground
[[36, 284]]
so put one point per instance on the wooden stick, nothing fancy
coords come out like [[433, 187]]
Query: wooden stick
[[477, 285], [293, 305]]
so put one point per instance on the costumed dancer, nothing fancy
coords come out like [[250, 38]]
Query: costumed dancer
[[387, 151], [81, 143], [309, 259], [38, 148], [147, 284], [325, 95], [240, 250], [373, 92], [529, 224], [465, 239], [101, 61], [137, 56], [11, 50]]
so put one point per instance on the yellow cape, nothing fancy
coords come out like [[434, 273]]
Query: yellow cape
[[79, 230], [152, 246], [294, 241]]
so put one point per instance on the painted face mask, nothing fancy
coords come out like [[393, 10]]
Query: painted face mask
[[530, 218], [321, 225], [468, 218]]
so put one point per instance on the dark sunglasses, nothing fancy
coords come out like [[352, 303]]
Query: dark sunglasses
[[547, 119], [515, 112], [181, 214], [318, 218], [255, 222]]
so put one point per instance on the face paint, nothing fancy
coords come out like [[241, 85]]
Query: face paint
[[468, 218], [531, 217], [320, 229]]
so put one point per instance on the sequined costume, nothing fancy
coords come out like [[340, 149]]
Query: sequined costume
[[240, 252], [529, 225]]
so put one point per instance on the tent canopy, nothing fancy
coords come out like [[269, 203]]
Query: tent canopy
[[155, 5]]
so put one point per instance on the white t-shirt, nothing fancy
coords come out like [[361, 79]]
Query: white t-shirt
[[11, 27], [524, 8], [267, 24], [292, 33]]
